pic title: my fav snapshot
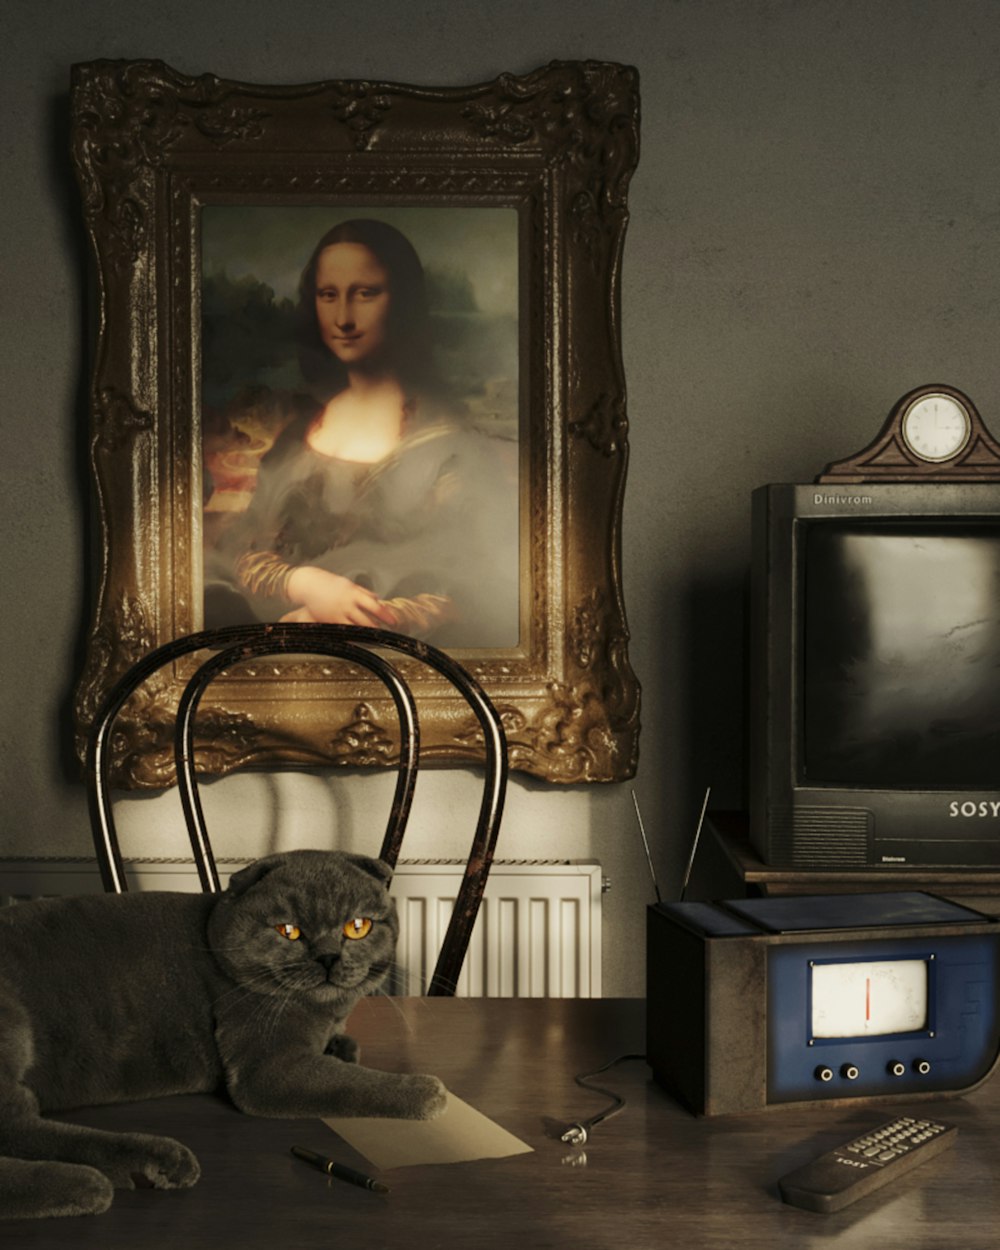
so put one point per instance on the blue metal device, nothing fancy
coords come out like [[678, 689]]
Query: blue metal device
[[769, 1002]]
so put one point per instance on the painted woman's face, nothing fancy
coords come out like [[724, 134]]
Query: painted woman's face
[[352, 303]]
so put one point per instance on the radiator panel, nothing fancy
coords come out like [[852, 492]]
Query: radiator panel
[[538, 933]]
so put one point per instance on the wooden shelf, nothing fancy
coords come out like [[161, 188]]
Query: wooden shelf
[[975, 887]]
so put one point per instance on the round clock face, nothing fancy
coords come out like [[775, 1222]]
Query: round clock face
[[936, 427]]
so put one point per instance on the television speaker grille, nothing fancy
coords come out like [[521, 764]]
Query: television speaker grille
[[820, 837]]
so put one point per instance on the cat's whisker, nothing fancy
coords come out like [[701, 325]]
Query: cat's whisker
[[398, 1009], [271, 1011], [246, 988], [401, 976]]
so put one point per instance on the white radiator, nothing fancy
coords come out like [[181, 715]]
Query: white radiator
[[537, 935]]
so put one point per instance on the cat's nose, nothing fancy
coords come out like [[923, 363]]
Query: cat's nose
[[328, 961]]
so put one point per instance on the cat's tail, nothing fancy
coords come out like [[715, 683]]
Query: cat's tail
[[33, 1190]]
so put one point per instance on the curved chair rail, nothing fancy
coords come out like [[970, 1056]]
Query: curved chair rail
[[240, 642]]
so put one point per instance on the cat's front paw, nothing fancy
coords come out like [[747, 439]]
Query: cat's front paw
[[426, 1097], [171, 1165], [159, 1162], [344, 1047]]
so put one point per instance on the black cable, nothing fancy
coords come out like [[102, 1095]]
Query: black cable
[[578, 1133]]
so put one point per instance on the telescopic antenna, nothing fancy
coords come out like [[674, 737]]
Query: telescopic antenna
[[649, 858], [694, 848]]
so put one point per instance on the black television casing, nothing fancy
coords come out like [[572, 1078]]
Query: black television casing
[[799, 820]]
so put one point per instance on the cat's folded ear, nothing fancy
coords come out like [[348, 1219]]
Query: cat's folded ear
[[376, 868], [241, 881]]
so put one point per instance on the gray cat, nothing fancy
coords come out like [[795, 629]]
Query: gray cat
[[109, 998]]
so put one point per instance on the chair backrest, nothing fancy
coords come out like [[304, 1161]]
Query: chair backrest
[[239, 642]]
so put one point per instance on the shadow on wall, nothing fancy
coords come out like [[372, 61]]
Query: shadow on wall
[[75, 428], [253, 813], [713, 697]]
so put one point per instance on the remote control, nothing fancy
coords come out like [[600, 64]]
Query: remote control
[[849, 1172]]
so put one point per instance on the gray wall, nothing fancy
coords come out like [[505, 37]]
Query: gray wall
[[815, 230]]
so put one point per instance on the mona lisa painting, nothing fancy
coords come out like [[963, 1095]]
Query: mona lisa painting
[[360, 419], [358, 359]]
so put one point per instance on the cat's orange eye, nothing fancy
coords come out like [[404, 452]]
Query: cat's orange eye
[[359, 927], [290, 931]]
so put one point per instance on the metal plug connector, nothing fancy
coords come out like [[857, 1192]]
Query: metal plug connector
[[575, 1135]]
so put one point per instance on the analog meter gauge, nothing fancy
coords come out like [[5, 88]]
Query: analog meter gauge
[[869, 999]]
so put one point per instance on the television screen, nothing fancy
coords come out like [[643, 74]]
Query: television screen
[[900, 658]]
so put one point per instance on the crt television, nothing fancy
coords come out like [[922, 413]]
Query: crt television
[[874, 713]]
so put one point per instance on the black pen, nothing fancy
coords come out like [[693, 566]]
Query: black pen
[[340, 1170]]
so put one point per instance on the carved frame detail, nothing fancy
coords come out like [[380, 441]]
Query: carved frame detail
[[150, 147]]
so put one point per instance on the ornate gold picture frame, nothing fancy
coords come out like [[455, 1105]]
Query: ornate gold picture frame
[[202, 199]]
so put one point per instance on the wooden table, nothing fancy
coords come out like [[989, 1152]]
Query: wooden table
[[652, 1176]]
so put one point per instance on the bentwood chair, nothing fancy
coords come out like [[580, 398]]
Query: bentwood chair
[[242, 642]]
